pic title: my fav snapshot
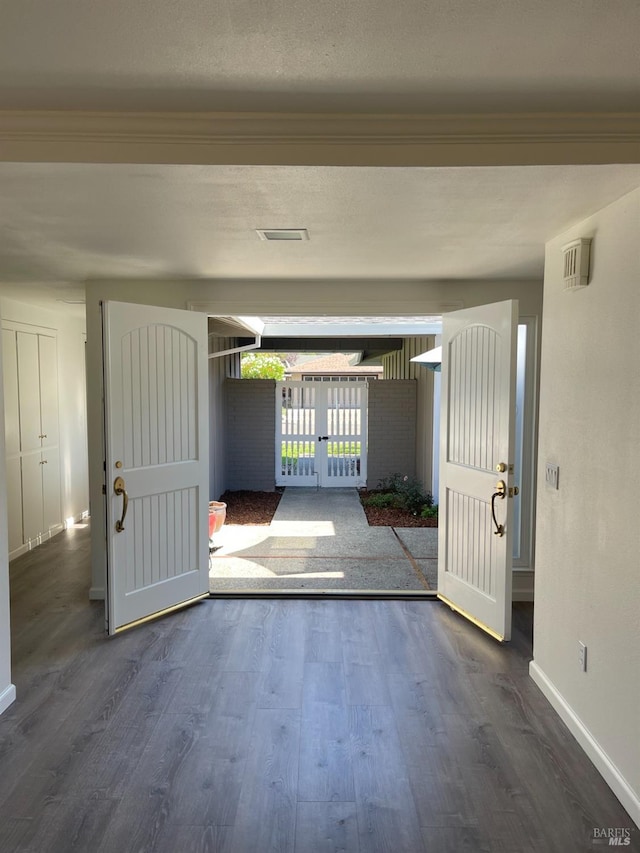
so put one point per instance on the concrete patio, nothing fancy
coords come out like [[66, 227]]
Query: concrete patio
[[318, 540]]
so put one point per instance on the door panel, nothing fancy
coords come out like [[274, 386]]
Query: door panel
[[477, 436], [157, 442], [297, 432], [345, 458], [48, 368], [11, 397], [29, 384], [31, 467], [51, 504], [14, 507]]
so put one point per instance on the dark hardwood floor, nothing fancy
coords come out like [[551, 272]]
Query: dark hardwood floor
[[267, 725]]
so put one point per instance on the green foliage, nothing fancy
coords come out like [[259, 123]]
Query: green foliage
[[381, 500], [408, 491], [293, 450], [258, 365], [429, 511]]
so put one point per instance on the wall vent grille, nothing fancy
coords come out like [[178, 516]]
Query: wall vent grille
[[576, 264]]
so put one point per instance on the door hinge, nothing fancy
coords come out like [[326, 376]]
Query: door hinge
[[104, 489]]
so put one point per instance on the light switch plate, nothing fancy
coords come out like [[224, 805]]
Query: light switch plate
[[551, 475]]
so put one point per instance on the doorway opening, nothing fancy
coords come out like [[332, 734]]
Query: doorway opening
[[312, 451]]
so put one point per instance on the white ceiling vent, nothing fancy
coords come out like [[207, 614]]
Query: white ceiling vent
[[282, 233], [576, 264]]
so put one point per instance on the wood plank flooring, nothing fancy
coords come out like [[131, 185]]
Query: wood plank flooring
[[279, 725]]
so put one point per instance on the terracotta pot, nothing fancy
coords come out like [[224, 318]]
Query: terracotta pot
[[217, 515]]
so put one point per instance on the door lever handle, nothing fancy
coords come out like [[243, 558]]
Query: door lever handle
[[119, 489], [323, 438], [501, 488]]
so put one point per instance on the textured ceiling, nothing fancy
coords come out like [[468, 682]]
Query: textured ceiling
[[61, 224], [72, 222], [362, 55]]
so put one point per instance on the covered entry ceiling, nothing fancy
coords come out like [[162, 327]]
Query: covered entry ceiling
[[371, 336]]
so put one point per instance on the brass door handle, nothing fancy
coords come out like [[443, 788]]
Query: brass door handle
[[119, 489], [501, 488]]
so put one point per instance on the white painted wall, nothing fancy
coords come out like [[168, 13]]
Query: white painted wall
[[7, 689], [587, 584], [74, 479]]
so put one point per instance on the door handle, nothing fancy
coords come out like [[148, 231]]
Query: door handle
[[501, 488], [323, 438], [119, 489]]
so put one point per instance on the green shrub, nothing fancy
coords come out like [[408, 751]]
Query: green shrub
[[429, 511], [408, 491], [382, 500]]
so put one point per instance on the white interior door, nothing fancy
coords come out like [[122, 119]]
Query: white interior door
[[157, 471], [477, 453]]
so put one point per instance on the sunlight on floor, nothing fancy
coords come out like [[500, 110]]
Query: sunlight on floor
[[236, 567], [303, 528], [302, 536]]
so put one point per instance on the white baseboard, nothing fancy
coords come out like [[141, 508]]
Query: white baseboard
[[7, 696], [96, 593], [522, 589], [605, 766], [18, 552], [43, 537], [37, 540]]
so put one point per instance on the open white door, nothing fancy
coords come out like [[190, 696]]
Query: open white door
[[157, 469], [476, 455]]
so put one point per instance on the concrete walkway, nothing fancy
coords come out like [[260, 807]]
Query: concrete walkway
[[320, 540]]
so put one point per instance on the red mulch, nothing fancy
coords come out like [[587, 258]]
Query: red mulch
[[392, 517], [246, 507]]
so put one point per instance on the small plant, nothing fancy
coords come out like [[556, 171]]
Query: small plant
[[382, 500], [408, 492], [429, 511]]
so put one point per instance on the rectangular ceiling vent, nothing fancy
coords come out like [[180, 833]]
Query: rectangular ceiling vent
[[282, 233], [576, 264]]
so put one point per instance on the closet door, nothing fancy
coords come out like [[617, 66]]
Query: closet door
[[29, 391], [51, 504], [33, 459], [48, 370], [33, 519], [12, 438]]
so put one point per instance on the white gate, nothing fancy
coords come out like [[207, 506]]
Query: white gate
[[321, 434]]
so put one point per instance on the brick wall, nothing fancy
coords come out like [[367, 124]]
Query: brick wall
[[250, 431], [392, 429], [250, 434]]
